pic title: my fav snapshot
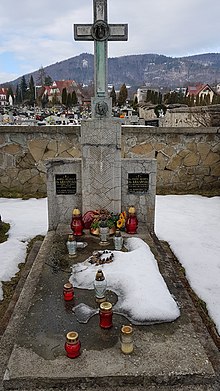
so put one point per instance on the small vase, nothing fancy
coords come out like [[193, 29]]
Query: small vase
[[94, 231]]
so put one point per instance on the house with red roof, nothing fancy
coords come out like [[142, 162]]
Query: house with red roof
[[3, 96], [201, 91], [56, 89]]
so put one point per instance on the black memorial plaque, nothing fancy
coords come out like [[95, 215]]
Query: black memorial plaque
[[138, 183], [65, 183]]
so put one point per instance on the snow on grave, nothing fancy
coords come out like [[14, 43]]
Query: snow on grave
[[143, 296]]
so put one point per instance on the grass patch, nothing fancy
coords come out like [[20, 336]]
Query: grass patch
[[4, 228], [205, 193], [10, 286], [16, 194], [8, 290]]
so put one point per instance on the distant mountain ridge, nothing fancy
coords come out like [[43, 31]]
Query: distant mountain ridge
[[153, 70]]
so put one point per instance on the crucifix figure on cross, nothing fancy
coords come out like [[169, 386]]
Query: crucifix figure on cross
[[100, 32]]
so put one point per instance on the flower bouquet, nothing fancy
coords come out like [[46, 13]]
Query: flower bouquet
[[93, 220]]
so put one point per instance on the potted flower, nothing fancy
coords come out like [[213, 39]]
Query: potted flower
[[103, 217], [94, 228]]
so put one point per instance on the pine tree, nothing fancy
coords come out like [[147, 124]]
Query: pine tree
[[207, 99], [214, 99], [201, 100], [188, 100], [18, 95], [69, 100], [44, 100], [166, 98], [48, 81], [23, 89], [113, 96], [64, 96], [123, 94], [197, 100], [148, 96], [74, 98], [135, 103], [154, 97], [31, 91]]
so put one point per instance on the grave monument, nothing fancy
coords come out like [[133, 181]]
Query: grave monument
[[101, 178], [164, 356]]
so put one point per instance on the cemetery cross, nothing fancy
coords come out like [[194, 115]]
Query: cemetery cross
[[100, 32]]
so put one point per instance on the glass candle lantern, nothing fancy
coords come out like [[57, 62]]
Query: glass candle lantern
[[71, 245], [100, 285], [68, 291], [77, 223], [118, 240], [104, 235], [132, 221], [127, 346], [105, 315], [72, 344]]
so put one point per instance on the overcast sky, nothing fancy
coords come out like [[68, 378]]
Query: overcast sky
[[39, 33]]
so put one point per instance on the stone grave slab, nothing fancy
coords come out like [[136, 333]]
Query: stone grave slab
[[168, 353]]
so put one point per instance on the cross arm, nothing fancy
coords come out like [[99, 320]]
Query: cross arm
[[118, 32], [82, 32]]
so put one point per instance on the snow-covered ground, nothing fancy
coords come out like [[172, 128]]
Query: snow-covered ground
[[27, 218], [189, 223]]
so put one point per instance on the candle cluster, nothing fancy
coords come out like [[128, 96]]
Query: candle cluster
[[73, 345]]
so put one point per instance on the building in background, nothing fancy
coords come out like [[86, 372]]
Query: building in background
[[3, 96]]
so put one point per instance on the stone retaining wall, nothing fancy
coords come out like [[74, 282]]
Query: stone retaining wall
[[188, 159]]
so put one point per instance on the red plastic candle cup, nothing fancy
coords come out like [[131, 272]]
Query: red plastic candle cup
[[131, 224], [77, 223], [132, 221], [105, 315], [68, 292], [72, 344]]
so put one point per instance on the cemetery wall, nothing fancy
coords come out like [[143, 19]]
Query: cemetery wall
[[188, 159]]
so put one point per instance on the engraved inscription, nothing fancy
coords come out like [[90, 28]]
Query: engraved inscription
[[65, 183], [138, 183]]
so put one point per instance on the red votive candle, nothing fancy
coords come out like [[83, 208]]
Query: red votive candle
[[105, 315], [68, 292], [131, 225], [72, 344], [77, 223], [132, 221]]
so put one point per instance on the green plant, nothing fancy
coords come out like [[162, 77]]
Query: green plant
[[110, 223], [4, 228], [95, 224]]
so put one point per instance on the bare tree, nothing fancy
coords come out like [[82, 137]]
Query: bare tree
[[200, 116]]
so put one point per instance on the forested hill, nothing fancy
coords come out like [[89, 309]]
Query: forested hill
[[152, 69]]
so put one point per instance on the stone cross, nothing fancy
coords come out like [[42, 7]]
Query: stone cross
[[100, 32]]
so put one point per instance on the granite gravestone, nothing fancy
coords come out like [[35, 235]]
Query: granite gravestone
[[101, 178]]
